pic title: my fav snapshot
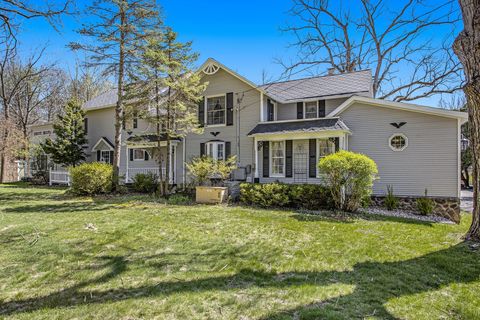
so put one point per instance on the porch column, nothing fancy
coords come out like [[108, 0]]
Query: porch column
[[255, 145], [170, 167], [127, 159]]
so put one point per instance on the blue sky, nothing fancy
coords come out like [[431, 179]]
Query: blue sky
[[244, 35]]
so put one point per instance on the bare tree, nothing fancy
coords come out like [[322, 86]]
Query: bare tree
[[120, 29], [382, 36], [467, 48], [87, 83]]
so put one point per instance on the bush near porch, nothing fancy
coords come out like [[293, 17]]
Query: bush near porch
[[91, 178]]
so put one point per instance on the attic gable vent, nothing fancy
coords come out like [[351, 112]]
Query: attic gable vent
[[210, 69]]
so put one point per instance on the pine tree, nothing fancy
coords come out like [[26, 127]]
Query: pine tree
[[119, 32], [67, 148], [169, 84]]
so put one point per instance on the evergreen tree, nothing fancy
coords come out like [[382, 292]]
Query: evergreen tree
[[67, 148], [169, 83]]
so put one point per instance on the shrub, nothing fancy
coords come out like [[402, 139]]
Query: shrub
[[425, 205], [179, 199], [91, 178], [350, 178], [145, 182], [391, 202], [265, 195], [205, 168], [311, 196]]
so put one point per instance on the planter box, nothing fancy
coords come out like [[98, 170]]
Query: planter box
[[211, 194]]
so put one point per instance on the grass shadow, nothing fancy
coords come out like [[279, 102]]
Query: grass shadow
[[375, 284]]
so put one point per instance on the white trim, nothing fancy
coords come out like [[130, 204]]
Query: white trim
[[337, 96], [298, 120], [127, 161], [206, 111], [459, 158], [184, 172], [214, 146], [110, 148], [305, 109], [296, 135], [255, 146], [262, 114], [396, 135], [400, 106], [270, 149]]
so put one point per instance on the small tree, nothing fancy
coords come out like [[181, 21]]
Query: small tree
[[204, 169], [67, 148], [350, 177]]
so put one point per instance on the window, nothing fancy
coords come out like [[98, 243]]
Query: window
[[105, 156], [325, 147], [135, 120], [46, 132], [37, 133], [85, 125], [278, 158], [216, 150], [311, 110], [138, 154], [398, 142], [216, 110]]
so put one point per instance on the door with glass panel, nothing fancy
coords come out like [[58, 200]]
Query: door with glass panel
[[300, 160]]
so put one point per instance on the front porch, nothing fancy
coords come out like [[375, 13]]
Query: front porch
[[289, 151]]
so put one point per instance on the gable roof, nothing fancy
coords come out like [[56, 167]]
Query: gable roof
[[289, 126], [323, 86], [106, 141], [104, 100], [463, 116]]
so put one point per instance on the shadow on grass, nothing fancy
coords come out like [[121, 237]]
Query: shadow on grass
[[65, 207], [375, 284]]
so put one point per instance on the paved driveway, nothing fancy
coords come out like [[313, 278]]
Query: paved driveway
[[466, 200]]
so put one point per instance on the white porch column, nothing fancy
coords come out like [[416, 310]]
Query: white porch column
[[171, 164], [255, 144], [127, 160]]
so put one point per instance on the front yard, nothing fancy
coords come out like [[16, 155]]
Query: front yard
[[133, 258]]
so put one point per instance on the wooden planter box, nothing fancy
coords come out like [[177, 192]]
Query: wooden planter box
[[211, 194]]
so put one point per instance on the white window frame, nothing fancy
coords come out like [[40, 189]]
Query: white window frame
[[213, 145], [396, 135], [305, 109], [139, 159], [102, 158], [206, 111], [277, 175]]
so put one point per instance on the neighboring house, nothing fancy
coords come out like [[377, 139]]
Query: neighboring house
[[279, 131]]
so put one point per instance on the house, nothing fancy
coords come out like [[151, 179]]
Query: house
[[280, 130]]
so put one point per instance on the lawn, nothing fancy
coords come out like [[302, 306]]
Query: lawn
[[134, 258]]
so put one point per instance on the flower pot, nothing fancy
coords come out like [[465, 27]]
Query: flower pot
[[211, 194]]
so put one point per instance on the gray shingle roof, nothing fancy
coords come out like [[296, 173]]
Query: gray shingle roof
[[146, 138], [108, 98], [316, 125], [323, 86]]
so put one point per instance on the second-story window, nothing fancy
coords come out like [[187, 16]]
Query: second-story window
[[216, 107], [311, 110]]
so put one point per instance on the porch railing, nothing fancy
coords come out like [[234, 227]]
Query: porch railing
[[59, 177], [132, 172]]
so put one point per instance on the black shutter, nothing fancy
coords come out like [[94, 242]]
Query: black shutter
[[111, 157], [321, 109], [135, 120], [202, 149], [312, 158], [99, 155], [146, 155], [337, 144], [230, 109], [228, 149], [131, 154], [288, 158], [266, 159], [270, 111], [201, 112], [85, 125], [299, 110]]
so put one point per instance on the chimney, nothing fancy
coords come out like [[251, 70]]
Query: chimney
[[331, 71]]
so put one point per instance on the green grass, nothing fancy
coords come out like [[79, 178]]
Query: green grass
[[133, 258]]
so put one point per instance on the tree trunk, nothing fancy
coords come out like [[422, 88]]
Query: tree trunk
[[467, 48], [159, 133], [4, 157], [466, 177], [119, 106]]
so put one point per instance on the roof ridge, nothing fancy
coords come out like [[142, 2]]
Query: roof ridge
[[314, 77]]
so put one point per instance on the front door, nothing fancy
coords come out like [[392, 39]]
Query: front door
[[300, 160]]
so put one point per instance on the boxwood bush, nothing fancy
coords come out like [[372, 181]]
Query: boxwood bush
[[308, 196], [91, 178], [145, 182]]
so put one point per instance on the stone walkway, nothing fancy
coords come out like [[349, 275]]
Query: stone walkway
[[466, 200]]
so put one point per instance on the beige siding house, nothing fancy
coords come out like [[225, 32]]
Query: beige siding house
[[279, 131]]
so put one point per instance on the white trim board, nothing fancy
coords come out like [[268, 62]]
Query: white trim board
[[110, 148], [400, 106]]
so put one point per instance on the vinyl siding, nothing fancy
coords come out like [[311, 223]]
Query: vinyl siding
[[288, 111], [430, 160], [218, 84]]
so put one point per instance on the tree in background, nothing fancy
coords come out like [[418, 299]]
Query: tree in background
[[467, 48], [87, 83], [169, 83], [397, 40], [119, 31], [67, 148]]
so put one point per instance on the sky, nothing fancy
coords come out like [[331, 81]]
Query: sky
[[244, 35]]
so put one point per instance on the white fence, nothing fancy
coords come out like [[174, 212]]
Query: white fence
[[132, 172], [59, 177]]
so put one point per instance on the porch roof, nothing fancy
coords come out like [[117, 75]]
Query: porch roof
[[300, 126], [150, 138]]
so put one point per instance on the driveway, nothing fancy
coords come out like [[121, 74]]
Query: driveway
[[466, 200]]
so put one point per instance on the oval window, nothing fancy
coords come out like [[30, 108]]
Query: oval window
[[398, 142]]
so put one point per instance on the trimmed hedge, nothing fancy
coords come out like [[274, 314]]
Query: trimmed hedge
[[91, 178], [145, 182], [307, 196]]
